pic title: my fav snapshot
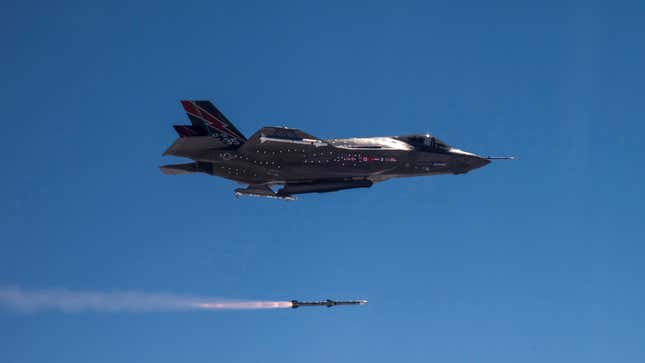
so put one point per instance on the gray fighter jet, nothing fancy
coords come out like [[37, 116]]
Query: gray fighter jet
[[302, 163]]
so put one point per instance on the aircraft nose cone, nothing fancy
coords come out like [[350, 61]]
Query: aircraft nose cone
[[466, 161], [470, 162], [476, 162]]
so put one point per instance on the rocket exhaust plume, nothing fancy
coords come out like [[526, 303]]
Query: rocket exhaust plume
[[23, 300]]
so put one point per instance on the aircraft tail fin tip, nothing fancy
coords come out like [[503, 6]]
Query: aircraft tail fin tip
[[206, 117]]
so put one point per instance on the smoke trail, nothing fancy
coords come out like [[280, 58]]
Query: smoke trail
[[23, 300]]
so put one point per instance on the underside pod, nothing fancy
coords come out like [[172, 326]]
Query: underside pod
[[323, 187]]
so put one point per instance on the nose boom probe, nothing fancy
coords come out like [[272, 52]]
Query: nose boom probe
[[500, 157]]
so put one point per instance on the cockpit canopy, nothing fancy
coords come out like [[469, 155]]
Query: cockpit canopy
[[425, 142]]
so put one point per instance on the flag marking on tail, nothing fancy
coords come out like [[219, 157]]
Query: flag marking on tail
[[213, 120]]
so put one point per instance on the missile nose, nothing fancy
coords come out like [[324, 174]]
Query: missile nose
[[362, 302]]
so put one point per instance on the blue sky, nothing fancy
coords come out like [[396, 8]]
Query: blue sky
[[539, 259]]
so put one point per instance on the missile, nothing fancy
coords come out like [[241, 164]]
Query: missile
[[328, 303], [313, 142]]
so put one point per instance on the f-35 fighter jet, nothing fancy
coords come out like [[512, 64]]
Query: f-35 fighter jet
[[302, 163]]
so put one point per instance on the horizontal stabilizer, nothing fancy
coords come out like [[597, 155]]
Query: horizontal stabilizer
[[194, 147], [187, 168]]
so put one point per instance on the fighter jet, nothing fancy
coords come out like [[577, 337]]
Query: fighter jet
[[302, 163], [328, 303]]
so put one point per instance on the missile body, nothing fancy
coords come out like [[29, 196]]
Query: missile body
[[328, 303]]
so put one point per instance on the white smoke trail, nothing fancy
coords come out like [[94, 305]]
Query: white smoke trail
[[16, 298]]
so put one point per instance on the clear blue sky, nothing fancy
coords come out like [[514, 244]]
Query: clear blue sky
[[539, 259]]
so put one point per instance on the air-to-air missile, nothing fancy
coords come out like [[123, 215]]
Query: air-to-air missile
[[302, 163], [328, 303]]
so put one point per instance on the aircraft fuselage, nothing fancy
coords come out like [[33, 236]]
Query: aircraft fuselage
[[303, 163], [271, 164]]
